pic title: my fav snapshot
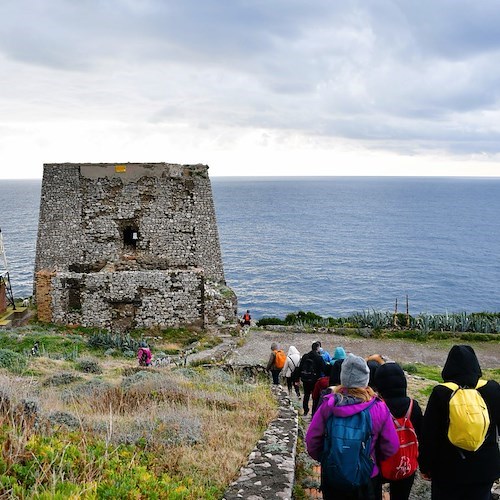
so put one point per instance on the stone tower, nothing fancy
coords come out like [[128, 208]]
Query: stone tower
[[133, 245]]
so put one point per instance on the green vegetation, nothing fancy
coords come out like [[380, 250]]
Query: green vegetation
[[421, 325], [434, 372], [109, 429]]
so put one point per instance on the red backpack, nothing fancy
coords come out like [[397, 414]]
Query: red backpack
[[404, 463]]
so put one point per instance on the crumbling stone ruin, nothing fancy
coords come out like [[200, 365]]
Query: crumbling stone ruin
[[133, 245]]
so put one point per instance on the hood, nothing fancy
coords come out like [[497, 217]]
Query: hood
[[335, 372], [462, 366], [339, 353], [345, 405], [390, 381], [293, 350]]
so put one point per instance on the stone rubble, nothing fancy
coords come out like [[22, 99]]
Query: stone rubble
[[270, 471]]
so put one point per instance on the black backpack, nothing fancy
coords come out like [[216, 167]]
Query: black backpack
[[308, 371]]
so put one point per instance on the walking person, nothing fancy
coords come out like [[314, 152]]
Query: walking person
[[290, 371], [391, 384], [349, 432], [311, 367], [457, 473], [276, 362]]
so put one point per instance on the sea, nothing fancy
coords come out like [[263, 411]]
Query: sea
[[331, 245]]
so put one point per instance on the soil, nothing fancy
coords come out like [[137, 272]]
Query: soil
[[256, 348]]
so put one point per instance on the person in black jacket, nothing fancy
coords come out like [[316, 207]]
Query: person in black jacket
[[455, 473], [391, 384], [311, 367]]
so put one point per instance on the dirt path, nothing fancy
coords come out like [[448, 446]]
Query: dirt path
[[257, 348]]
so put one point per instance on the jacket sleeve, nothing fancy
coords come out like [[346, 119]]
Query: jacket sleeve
[[434, 428], [388, 441], [416, 418], [315, 433], [270, 363]]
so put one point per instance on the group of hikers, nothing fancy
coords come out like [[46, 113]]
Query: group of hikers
[[365, 430]]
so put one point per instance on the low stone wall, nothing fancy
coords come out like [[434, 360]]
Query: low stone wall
[[270, 471]]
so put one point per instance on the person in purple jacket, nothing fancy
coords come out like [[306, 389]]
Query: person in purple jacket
[[353, 396]]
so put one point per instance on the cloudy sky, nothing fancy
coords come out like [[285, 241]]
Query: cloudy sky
[[252, 87]]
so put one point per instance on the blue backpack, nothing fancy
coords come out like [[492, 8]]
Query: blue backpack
[[346, 463]]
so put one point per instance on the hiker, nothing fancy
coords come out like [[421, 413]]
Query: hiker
[[455, 472], [325, 385], [349, 471], [324, 354], [373, 362], [290, 371], [276, 362], [246, 319], [311, 367], [338, 354], [391, 384], [144, 354], [34, 349], [321, 384]]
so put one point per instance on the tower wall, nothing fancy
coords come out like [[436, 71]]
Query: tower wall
[[103, 226]]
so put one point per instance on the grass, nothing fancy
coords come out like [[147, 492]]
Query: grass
[[69, 431], [434, 372]]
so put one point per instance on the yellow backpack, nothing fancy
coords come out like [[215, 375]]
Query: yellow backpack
[[469, 418]]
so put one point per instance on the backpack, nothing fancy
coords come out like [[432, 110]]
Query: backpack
[[469, 418], [280, 359], [404, 463], [308, 370], [346, 463]]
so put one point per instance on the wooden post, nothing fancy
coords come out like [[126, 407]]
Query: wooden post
[[407, 313], [396, 314]]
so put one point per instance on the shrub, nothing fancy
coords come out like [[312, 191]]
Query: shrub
[[63, 378], [89, 366], [63, 418], [105, 340], [12, 361]]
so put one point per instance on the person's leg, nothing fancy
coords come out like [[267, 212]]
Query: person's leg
[[289, 385], [400, 490], [308, 388], [296, 385], [276, 376]]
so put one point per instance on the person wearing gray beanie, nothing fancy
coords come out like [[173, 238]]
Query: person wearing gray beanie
[[354, 372]]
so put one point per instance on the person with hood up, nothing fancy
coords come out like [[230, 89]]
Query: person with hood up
[[353, 396], [455, 473], [289, 371], [391, 384]]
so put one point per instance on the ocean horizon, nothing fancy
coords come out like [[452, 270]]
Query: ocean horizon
[[331, 245]]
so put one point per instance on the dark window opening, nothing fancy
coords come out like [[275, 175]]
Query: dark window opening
[[130, 236]]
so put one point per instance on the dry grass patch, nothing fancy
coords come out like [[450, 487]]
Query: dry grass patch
[[183, 434]]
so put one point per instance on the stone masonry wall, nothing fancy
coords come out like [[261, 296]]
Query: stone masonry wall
[[120, 301], [132, 244], [85, 209]]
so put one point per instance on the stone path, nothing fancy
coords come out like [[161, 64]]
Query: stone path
[[270, 471]]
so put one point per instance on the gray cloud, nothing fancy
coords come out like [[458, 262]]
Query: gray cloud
[[401, 75]]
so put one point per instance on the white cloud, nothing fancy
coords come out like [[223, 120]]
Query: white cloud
[[381, 84]]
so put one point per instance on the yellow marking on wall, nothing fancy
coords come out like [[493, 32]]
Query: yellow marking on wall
[[120, 168]]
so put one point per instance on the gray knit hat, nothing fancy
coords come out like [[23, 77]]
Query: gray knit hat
[[355, 372]]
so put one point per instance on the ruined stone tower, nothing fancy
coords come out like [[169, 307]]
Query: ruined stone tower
[[133, 245]]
